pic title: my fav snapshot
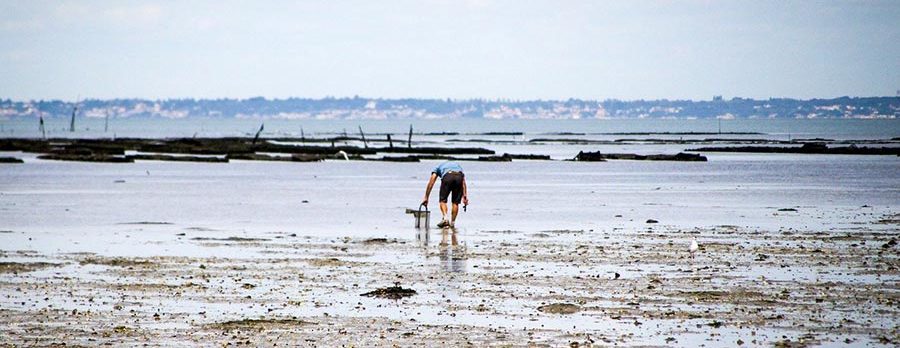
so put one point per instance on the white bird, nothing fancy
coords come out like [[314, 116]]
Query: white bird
[[693, 247], [342, 153]]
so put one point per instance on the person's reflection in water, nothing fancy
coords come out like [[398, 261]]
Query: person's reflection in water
[[423, 236], [452, 254]]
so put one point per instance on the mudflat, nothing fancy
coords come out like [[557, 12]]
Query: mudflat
[[634, 287]]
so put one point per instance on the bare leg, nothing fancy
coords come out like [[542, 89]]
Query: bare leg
[[455, 212], [443, 210], [444, 238]]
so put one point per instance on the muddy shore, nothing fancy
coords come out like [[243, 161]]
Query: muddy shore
[[631, 287]]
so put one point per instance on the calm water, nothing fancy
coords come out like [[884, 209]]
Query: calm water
[[339, 198], [202, 127]]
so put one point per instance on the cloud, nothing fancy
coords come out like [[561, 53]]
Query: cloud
[[205, 23], [19, 55], [476, 4], [79, 13], [29, 24], [466, 4], [145, 13], [70, 11]]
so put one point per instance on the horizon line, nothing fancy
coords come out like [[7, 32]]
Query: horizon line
[[501, 100]]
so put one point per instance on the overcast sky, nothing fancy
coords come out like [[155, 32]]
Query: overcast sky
[[449, 49]]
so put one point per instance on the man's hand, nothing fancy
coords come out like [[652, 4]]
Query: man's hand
[[428, 189], [465, 200]]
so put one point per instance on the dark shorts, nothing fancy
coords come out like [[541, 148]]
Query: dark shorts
[[451, 183]]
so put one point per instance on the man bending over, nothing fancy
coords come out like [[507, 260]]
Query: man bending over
[[453, 181]]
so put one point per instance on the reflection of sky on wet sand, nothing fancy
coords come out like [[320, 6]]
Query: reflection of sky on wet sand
[[368, 199], [450, 249], [453, 253], [452, 283]]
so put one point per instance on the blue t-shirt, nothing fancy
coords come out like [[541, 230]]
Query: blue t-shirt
[[445, 167]]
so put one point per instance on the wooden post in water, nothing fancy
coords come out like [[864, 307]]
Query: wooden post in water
[[302, 136], [363, 135], [255, 138], [41, 126], [390, 142], [72, 122], [106, 123], [409, 141]]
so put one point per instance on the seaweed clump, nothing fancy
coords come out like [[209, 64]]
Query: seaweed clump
[[395, 292]]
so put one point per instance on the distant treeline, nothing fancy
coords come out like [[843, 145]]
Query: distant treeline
[[357, 107]]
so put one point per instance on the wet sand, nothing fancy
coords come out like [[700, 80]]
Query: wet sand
[[794, 251], [625, 287]]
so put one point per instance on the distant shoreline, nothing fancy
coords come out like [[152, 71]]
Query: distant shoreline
[[378, 108]]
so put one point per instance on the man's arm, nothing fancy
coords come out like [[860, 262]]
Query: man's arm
[[428, 188], [465, 191]]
